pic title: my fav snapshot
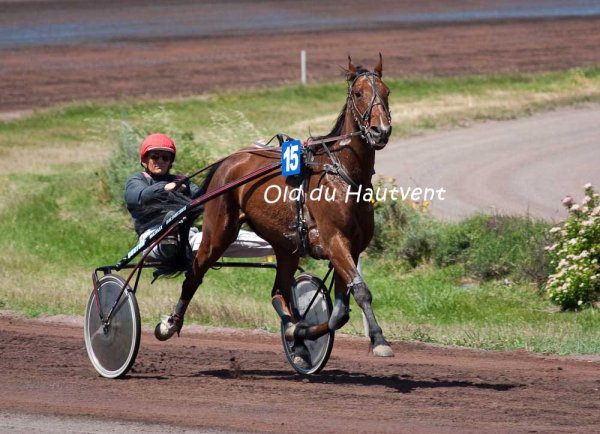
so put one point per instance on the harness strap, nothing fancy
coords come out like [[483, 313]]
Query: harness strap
[[311, 143], [337, 168], [300, 216]]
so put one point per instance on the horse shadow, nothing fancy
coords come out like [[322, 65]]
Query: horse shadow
[[399, 383]]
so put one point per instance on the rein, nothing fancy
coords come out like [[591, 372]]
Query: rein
[[309, 146]]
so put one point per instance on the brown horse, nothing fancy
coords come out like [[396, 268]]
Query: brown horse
[[338, 229]]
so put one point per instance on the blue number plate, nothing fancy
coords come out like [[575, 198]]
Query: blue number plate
[[291, 157]]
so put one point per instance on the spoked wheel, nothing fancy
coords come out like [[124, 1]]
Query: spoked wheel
[[311, 302], [112, 346]]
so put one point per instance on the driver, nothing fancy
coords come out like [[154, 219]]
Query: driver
[[151, 194], [147, 192]]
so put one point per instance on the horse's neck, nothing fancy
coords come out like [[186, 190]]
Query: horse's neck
[[356, 157]]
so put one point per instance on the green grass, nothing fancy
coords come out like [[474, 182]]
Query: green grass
[[60, 215], [438, 305]]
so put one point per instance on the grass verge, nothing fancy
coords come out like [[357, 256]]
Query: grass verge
[[60, 215]]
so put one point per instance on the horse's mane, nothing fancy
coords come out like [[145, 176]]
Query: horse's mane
[[338, 126]]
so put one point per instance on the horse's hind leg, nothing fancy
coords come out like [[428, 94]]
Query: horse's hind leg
[[215, 240], [282, 293]]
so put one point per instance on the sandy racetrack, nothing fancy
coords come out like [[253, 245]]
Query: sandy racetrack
[[232, 380]]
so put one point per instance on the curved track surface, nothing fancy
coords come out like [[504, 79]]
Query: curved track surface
[[522, 166], [226, 380]]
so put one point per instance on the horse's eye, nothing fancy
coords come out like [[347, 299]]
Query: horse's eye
[[357, 94]]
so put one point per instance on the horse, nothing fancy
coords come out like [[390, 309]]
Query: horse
[[338, 230]]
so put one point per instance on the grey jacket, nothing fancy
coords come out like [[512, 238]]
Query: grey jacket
[[148, 202]]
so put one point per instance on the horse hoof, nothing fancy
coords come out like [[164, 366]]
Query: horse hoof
[[167, 327], [383, 351], [301, 363]]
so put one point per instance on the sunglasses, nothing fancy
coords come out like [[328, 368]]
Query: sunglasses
[[156, 157]]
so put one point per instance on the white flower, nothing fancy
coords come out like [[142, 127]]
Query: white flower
[[555, 229], [579, 303], [588, 185], [586, 199], [574, 207]]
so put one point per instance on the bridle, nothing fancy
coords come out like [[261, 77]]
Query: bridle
[[363, 119]]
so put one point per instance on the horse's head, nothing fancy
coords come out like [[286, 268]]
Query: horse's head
[[368, 100]]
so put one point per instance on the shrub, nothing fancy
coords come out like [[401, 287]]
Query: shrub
[[488, 246], [575, 254], [403, 230], [495, 246]]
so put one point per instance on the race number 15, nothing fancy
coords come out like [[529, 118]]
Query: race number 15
[[290, 158]]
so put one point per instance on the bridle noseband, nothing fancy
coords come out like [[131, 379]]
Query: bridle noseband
[[363, 119]]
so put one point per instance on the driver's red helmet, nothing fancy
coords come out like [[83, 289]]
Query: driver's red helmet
[[158, 142]]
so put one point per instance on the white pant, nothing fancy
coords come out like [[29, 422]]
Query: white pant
[[247, 244]]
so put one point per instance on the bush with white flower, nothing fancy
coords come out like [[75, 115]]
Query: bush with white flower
[[575, 254]]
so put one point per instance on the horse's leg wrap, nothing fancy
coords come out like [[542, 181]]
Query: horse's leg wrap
[[190, 284], [340, 314], [181, 307], [303, 331], [363, 298]]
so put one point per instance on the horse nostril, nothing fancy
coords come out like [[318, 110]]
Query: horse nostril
[[375, 131], [382, 130]]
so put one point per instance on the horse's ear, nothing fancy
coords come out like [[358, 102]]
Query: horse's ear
[[351, 72], [379, 67]]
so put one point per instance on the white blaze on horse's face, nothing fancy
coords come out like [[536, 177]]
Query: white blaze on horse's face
[[370, 99]]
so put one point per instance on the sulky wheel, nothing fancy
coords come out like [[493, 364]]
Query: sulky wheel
[[304, 289], [112, 346]]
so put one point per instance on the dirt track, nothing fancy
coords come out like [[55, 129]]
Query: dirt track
[[72, 51], [192, 382]]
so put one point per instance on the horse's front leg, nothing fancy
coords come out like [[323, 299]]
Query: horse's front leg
[[349, 280]]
